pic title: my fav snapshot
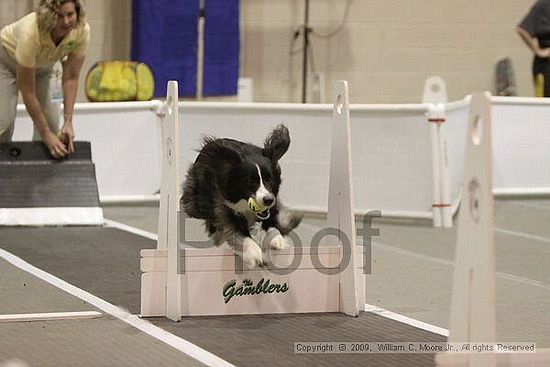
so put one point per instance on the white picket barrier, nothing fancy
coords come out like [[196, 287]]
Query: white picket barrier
[[407, 158], [391, 151], [193, 281], [390, 145], [521, 145], [520, 132]]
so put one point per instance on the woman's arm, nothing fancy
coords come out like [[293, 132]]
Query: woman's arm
[[71, 72], [533, 43], [26, 84]]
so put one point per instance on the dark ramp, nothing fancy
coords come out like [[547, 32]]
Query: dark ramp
[[30, 178], [105, 262]]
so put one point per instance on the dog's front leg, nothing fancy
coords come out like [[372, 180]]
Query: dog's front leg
[[248, 250]]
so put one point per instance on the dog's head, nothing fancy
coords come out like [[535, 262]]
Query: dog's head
[[245, 171]]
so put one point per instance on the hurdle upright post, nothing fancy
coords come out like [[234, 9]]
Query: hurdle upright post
[[472, 317], [435, 94], [433, 119], [341, 214], [168, 233]]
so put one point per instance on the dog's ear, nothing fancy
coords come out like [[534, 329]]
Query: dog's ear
[[220, 156], [276, 144]]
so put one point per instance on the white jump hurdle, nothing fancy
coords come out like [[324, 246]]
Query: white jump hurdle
[[473, 298], [324, 281]]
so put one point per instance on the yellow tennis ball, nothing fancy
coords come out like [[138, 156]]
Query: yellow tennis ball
[[255, 206]]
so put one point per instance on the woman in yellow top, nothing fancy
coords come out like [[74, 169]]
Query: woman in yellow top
[[55, 31]]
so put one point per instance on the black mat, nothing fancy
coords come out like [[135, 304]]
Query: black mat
[[30, 178], [105, 262]]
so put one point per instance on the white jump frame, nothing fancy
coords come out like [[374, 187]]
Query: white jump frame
[[473, 317], [210, 284]]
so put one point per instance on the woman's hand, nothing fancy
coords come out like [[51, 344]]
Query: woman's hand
[[543, 53], [56, 148], [67, 136]]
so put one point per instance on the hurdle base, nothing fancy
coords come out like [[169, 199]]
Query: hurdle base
[[209, 274]]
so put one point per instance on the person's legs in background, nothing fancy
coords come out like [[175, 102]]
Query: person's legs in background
[[546, 74], [541, 77]]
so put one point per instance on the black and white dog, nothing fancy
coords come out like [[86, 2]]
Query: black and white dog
[[233, 185]]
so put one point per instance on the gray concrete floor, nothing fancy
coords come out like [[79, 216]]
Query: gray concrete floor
[[412, 266]]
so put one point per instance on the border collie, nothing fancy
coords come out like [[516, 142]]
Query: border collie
[[234, 185]]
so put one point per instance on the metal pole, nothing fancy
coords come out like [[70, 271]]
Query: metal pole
[[306, 47], [200, 49]]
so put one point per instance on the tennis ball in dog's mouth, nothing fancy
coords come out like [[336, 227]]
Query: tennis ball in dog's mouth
[[255, 206]]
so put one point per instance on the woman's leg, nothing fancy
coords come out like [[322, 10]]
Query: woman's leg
[[545, 71], [8, 102]]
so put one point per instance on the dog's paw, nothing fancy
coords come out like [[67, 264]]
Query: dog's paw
[[279, 243], [252, 254]]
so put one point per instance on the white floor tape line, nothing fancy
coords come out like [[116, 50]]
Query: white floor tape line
[[406, 320], [50, 316], [506, 276], [523, 234], [130, 229], [174, 341]]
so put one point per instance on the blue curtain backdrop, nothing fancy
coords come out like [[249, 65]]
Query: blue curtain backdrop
[[164, 35]]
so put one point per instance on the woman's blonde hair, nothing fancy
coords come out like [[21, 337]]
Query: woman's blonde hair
[[47, 12]]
